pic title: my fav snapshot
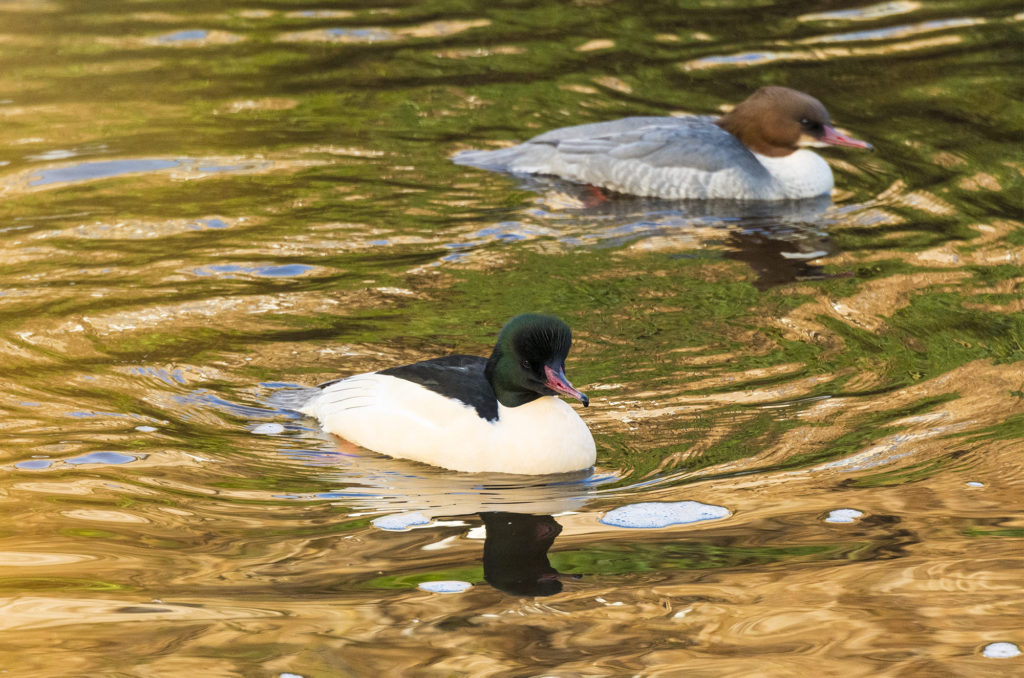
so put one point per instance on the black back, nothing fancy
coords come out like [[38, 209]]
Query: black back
[[455, 376]]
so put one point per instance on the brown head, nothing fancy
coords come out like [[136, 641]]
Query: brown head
[[775, 121]]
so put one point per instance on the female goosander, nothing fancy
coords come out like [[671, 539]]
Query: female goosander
[[467, 413], [752, 153]]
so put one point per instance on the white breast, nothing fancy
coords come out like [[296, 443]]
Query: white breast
[[801, 174], [402, 419]]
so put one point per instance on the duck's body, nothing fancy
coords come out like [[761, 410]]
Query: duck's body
[[753, 153], [466, 413]]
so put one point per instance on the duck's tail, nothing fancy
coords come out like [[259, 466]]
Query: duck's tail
[[497, 159]]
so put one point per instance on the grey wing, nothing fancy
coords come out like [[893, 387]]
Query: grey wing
[[658, 142], [595, 130]]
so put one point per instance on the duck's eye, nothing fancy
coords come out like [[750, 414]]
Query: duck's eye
[[811, 125], [525, 364]]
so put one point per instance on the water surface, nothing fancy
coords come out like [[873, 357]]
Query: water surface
[[206, 208]]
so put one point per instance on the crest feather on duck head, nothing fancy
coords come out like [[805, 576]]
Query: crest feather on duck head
[[535, 336]]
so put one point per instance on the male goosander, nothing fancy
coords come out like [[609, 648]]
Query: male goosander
[[468, 413], [751, 153]]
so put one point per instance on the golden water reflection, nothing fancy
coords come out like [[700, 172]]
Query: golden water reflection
[[207, 210]]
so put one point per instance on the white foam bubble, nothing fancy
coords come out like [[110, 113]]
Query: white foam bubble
[[975, 483], [400, 521], [268, 429], [102, 458], [145, 429], [663, 514], [843, 516], [450, 586], [1001, 650]]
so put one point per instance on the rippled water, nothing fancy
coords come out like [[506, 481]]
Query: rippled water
[[206, 207]]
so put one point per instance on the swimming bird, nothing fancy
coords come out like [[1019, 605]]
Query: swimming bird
[[468, 413], [754, 152]]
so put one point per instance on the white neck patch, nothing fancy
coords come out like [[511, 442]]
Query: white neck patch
[[801, 174]]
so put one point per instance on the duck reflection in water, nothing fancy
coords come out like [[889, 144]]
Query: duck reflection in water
[[516, 510], [516, 553], [779, 240]]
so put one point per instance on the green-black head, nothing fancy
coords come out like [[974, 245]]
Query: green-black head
[[529, 360]]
